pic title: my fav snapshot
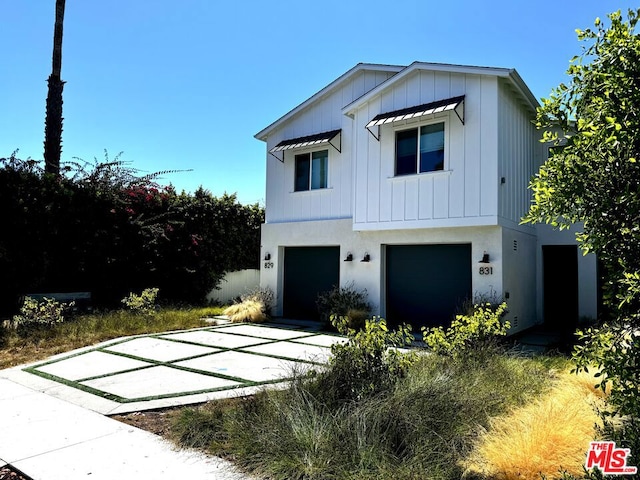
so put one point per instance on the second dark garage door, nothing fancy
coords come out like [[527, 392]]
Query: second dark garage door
[[425, 284], [307, 272]]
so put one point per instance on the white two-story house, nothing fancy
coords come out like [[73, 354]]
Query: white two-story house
[[410, 182]]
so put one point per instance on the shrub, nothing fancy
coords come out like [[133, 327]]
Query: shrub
[[254, 306], [45, 313], [247, 311], [488, 299], [340, 301], [368, 363], [475, 331], [143, 304], [263, 295], [422, 427], [107, 228], [613, 351]]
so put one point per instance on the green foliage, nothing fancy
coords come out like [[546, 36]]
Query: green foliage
[[475, 331], [143, 304], [370, 361], [46, 312], [613, 350], [340, 301], [106, 229], [421, 427], [593, 176]]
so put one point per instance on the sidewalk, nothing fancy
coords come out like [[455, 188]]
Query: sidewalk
[[51, 412], [50, 439]]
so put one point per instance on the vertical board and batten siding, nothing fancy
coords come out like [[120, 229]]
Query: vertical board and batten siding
[[519, 151], [285, 205], [467, 190]]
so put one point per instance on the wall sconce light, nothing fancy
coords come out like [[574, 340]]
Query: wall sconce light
[[267, 257], [349, 257], [366, 258], [485, 258]]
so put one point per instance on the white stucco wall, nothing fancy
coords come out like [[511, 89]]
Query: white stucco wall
[[370, 275], [519, 276], [587, 270]]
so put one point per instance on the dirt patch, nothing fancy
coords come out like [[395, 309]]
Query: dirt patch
[[154, 421]]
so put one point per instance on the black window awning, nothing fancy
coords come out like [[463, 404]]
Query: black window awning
[[455, 104], [333, 138]]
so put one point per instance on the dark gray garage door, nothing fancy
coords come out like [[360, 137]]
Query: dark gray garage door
[[307, 272], [426, 283]]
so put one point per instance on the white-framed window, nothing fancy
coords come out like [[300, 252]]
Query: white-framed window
[[311, 170], [420, 149]]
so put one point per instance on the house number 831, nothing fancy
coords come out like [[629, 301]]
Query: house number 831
[[486, 270]]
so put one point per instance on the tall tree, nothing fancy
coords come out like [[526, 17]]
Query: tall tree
[[53, 119], [593, 177]]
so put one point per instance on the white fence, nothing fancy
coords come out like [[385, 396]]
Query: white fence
[[235, 284]]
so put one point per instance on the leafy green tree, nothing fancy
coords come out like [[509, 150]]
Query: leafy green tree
[[593, 177]]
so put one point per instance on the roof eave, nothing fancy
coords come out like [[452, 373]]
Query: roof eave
[[264, 133], [511, 74], [523, 89]]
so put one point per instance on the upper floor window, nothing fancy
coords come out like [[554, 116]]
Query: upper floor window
[[311, 170], [420, 149]]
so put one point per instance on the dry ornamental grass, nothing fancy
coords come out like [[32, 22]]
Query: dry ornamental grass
[[543, 438]]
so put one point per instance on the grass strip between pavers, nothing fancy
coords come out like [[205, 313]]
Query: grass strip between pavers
[[119, 399], [79, 386], [242, 383], [198, 344]]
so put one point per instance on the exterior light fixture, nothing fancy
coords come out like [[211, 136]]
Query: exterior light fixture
[[366, 258], [267, 257], [349, 257], [485, 258]]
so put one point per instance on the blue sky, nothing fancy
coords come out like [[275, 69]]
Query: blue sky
[[186, 84]]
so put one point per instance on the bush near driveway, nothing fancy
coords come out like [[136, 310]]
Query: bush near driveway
[[421, 423]]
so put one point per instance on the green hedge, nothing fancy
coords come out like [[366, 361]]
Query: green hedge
[[106, 230]]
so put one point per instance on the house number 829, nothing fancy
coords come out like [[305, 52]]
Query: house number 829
[[268, 264], [486, 271]]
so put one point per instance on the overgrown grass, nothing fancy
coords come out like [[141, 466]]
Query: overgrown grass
[[547, 436], [22, 346], [423, 427]]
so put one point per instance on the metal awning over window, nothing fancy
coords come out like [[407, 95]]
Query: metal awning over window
[[333, 138], [455, 104]]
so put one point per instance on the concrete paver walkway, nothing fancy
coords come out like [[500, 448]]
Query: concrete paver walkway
[[175, 368], [51, 412]]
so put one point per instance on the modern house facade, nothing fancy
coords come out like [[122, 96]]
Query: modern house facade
[[410, 182]]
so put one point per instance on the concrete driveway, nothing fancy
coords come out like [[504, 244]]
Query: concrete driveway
[[52, 412]]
